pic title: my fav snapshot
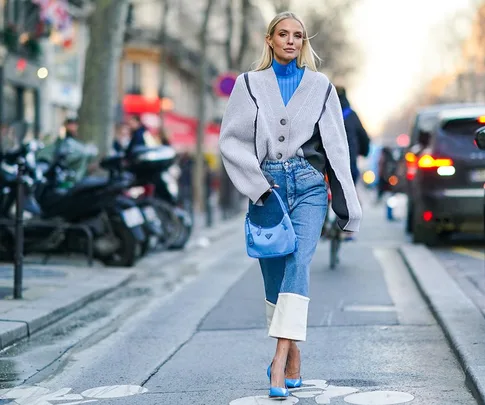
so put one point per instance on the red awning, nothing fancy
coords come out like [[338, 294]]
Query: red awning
[[181, 129]]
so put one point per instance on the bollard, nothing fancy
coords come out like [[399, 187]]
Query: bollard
[[19, 231]]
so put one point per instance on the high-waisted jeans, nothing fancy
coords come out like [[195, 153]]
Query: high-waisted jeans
[[286, 279]]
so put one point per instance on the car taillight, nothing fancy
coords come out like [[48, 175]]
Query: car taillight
[[429, 162], [427, 216], [444, 166], [411, 165]]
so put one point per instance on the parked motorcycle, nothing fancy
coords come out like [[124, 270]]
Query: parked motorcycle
[[115, 221], [60, 219], [155, 183]]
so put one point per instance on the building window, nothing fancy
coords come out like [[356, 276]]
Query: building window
[[132, 77]]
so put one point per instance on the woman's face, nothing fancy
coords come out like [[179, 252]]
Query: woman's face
[[286, 41]]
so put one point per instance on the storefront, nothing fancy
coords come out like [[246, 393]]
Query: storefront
[[180, 129]]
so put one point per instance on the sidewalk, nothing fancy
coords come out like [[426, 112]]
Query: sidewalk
[[454, 288], [53, 291], [460, 318]]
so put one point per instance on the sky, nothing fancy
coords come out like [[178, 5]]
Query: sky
[[400, 42], [396, 38]]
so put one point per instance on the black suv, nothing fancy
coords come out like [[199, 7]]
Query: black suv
[[445, 173]]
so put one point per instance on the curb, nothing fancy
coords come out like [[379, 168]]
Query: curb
[[21, 322], [461, 321]]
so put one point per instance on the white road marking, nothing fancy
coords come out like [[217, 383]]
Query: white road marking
[[379, 398], [370, 308], [263, 400], [323, 394], [333, 391], [23, 392], [27, 395], [114, 391], [306, 394], [322, 384]]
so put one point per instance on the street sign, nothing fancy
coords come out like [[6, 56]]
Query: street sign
[[224, 84]]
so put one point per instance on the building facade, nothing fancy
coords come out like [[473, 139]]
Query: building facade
[[160, 70]]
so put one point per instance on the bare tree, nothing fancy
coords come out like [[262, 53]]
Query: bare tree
[[326, 27], [163, 48], [199, 174], [235, 56], [98, 107], [281, 5]]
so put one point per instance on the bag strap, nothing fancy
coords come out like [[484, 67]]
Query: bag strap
[[282, 204], [327, 95]]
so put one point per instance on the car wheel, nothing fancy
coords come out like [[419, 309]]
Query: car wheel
[[424, 233]]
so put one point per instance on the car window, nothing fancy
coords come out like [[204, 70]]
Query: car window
[[461, 127], [424, 122]]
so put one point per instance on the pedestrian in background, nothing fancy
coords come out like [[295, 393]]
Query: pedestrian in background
[[277, 136]]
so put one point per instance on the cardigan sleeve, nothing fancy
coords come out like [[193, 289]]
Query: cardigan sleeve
[[237, 144], [345, 202]]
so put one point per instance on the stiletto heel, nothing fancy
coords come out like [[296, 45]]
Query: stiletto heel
[[290, 382], [276, 392]]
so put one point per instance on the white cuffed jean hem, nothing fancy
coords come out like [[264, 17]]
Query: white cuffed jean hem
[[289, 320], [269, 313]]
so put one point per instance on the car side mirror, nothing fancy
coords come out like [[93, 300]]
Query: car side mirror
[[480, 138]]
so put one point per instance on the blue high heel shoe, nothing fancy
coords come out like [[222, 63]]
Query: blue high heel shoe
[[290, 382], [278, 392]]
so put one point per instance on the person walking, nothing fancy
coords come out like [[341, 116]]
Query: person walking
[[281, 131], [359, 142]]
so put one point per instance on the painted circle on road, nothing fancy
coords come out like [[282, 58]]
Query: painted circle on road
[[379, 398], [263, 400], [114, 391]]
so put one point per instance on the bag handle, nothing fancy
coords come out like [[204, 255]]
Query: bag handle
[[280, 201], [282, 204]]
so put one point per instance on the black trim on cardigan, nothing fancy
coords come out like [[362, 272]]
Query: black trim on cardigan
[[246, 79]]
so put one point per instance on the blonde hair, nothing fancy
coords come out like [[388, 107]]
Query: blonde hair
[[307, 56]]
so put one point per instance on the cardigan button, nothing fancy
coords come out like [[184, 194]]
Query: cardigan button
[[279, 155], [281, 138], [283, 121]]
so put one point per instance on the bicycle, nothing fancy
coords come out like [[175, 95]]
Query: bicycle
[[333, 233]]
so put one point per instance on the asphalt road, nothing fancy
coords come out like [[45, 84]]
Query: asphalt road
[[195, 334]]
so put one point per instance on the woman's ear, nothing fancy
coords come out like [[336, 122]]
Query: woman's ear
[[268, 41]]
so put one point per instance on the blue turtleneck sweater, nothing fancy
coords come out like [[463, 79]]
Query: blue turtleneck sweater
[[289, 77]]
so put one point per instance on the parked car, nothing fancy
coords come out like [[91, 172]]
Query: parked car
[[425, 121], [480, 143], [446, 175]]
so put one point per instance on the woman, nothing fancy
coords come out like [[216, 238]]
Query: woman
[[280, 132]]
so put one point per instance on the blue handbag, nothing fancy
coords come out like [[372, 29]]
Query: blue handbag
[[279, 240]]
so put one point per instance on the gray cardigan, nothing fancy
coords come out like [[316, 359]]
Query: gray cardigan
[[283, 132]]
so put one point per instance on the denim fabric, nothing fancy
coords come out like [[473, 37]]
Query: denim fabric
[[304, 192]]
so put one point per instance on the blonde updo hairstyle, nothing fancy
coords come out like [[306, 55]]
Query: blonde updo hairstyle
[[307, 56]]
